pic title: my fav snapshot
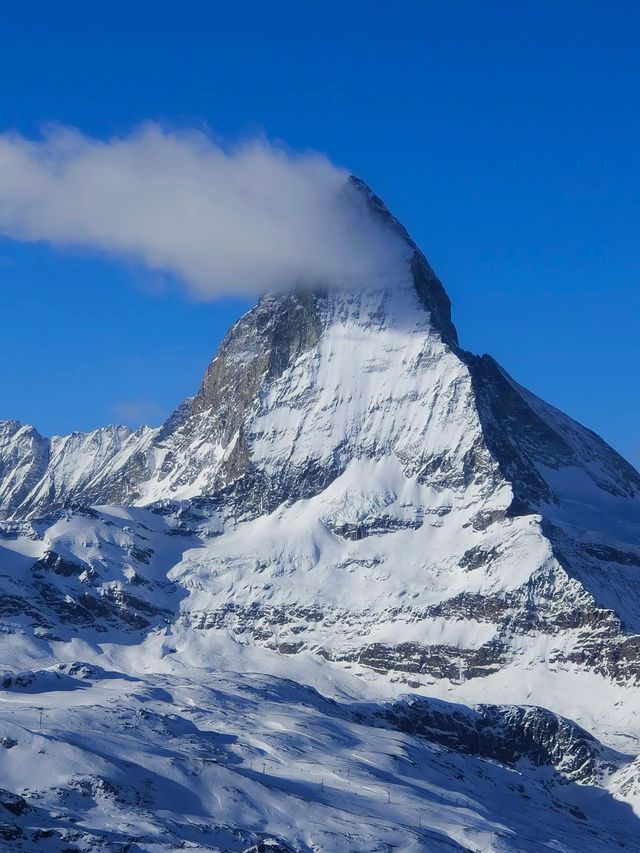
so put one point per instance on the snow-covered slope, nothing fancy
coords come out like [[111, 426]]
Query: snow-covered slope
[[136, 748], [352, 500]]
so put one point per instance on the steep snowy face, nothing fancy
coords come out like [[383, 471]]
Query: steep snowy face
[[379, 383], [307, 383]]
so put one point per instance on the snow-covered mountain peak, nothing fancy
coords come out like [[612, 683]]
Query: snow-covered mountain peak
[[352, 500], [428, 286]]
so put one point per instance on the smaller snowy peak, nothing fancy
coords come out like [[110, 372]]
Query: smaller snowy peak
[[24, 456], [40, 474]]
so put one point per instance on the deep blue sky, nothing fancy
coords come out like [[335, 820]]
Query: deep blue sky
[[506, 136]]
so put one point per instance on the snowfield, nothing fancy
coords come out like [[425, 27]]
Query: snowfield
[[190, 754]]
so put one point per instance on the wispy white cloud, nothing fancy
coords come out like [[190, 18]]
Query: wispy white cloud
[[223, 220]]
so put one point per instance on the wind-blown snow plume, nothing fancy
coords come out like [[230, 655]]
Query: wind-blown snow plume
[[223, 220]]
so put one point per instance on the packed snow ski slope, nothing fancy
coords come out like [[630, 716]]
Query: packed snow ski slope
[[361, 592]]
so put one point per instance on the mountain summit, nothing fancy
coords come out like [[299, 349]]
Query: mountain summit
[[354, 421], [349, 487]]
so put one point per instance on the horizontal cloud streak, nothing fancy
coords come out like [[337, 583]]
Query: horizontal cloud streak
[[223, 220]]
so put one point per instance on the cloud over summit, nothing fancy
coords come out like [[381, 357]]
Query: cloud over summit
[[240, 220]]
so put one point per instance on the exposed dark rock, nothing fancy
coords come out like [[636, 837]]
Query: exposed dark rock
[[10, 831], [52, 562], [13, 803], [270, 845], [507, 734], [438, 661], [373, 526], [477, 557]]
